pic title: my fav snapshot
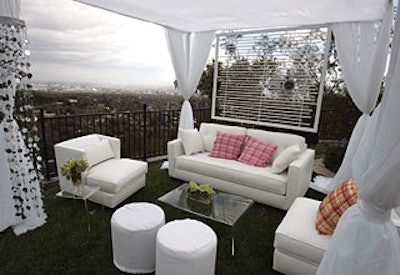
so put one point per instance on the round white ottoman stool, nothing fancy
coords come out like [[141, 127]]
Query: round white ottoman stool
[[133, 233], [186, 247]]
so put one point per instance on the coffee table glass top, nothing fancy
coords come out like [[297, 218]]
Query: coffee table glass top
[[225, 208]]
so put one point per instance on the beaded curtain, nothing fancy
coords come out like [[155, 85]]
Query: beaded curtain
[[23, 178]]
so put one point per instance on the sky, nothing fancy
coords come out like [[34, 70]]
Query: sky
[[73, 42]]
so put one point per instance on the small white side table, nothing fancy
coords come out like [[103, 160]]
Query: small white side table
[[85, 193]]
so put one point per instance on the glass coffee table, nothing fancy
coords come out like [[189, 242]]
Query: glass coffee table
[[225, 208]]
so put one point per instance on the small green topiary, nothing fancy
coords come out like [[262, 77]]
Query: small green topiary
[[202, 193], [203, 188], [72, 169]]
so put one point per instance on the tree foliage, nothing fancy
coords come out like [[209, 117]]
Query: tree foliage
[[206, 82]]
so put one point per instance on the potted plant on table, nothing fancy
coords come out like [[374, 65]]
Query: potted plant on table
[[73, 168], [202, 193]]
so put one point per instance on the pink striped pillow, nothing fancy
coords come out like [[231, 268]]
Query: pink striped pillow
[[227, 146], [257, 153]]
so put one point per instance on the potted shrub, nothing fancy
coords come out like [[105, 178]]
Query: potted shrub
[[202, 193], [72, 169]]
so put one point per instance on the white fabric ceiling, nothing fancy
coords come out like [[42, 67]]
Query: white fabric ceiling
[[207, 15]]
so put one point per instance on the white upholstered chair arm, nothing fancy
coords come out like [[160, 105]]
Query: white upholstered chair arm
[[174, 148], [299, 175], [62, 154]]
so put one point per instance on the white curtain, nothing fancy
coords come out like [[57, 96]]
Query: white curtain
[[362, 50], [366, 241], [189, 52], [10, 8], [21, 204]]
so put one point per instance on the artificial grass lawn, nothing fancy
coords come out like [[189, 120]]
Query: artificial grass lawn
[[64, 245]]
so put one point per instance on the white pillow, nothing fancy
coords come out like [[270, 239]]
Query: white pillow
[[283, 160], [98, 152], [191, 140]]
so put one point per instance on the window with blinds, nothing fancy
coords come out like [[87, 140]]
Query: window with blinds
[[271, 78]]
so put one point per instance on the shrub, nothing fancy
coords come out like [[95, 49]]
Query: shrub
[[334, 156]]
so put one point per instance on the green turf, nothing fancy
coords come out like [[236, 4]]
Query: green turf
[[64, 245]]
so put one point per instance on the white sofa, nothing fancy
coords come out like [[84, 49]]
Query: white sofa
[[117, 177], [258, 183], [298, 248]]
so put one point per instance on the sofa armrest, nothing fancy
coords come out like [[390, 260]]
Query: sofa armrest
[[299, 176], [174, 148], [115, 144]]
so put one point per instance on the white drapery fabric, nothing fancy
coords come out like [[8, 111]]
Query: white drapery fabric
[[207, 15], [365, 240], [21, 204], [189, 52], [10, 8], [362, 50]]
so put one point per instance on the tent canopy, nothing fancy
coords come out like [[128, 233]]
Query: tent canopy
[[211, 15]]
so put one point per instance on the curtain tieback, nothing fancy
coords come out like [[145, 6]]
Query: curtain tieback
[[373, 212]]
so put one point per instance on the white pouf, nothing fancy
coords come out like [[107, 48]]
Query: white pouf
[[134, 229], [186, 247]]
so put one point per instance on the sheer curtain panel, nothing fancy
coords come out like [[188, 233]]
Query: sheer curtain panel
[[10, 8], [189, 52], [365, 240], [362, 50]]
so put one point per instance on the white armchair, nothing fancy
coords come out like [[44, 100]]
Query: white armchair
[[118, 178]]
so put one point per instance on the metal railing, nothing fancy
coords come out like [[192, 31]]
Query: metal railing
[[143, 133]]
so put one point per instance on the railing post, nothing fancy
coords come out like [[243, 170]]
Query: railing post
[[45, 155], [144, 131]]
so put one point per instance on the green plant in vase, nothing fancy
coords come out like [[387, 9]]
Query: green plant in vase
[[202, 193], [73, 168]]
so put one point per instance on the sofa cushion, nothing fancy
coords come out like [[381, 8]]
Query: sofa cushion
[[283, 140], [227, 146], [296, 234], [234, 171], [208, 133], [257, 153], [113, 174], [98, 152], [334, 205], [191, 141], [283, 160]]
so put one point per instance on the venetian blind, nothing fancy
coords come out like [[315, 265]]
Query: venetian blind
[[271, 78]]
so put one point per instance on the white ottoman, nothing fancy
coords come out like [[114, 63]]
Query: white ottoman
[[133, 233], [186, 247]]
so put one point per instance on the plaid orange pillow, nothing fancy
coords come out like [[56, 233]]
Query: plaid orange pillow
[[334, 205]]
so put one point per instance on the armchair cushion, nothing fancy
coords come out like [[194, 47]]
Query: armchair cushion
[[98, 152], [114, 174]]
